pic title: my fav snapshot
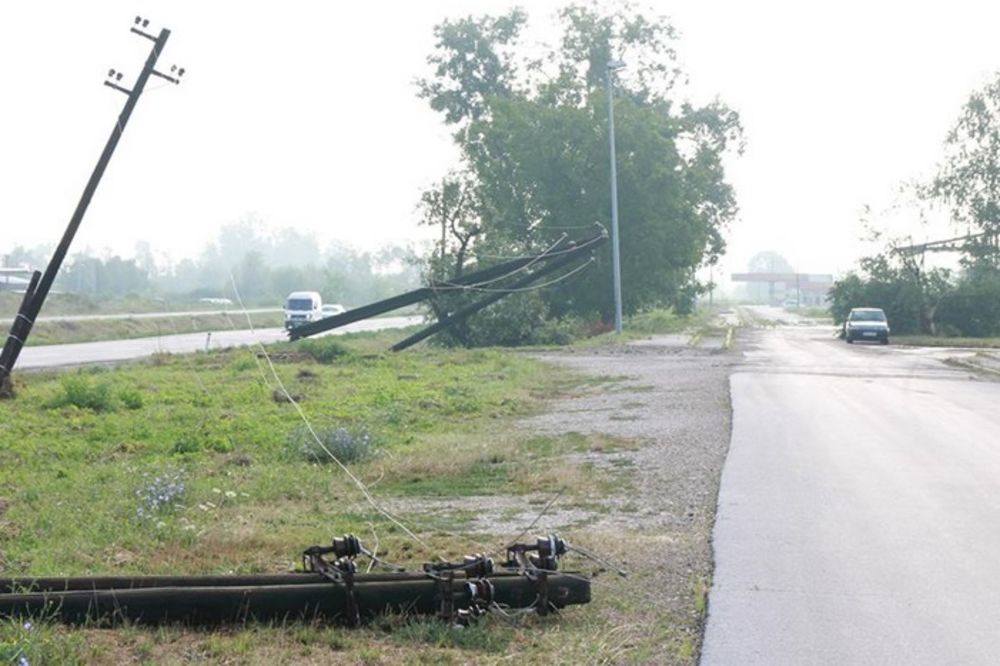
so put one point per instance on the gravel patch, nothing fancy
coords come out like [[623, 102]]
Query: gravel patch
[[674, 397], [670, 395]]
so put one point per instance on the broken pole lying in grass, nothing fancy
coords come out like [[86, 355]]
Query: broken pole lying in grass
[[455, 592], [21, 327], [309, 597]]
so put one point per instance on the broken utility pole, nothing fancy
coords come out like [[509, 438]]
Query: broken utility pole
[[502, 279], [328, 589], [35, 295]]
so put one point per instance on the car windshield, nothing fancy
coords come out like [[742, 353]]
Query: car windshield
[[300, 304], [867, 315]]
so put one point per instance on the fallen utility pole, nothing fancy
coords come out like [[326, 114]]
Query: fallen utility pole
[[34, 300], [403, 300], [504, 278], [463, 313], [330, 590]]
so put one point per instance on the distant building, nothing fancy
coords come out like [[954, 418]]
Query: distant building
[[802, 289], [14, 279]]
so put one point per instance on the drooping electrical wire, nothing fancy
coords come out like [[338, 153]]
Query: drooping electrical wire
[[359, 484]]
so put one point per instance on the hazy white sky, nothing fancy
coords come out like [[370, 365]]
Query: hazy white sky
[[305, 114]]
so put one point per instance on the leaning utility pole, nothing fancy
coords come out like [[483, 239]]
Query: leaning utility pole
[[35, 297]]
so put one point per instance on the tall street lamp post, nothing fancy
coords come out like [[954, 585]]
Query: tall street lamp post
[[614, 66]]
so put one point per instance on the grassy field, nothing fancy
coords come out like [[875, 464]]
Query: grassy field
[[941, 341], [198, 464], [61, 304], [62, 332]]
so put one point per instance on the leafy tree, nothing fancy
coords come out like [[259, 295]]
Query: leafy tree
[[453, 205], [972, 308], [968, 181], [533, 136], [472, 65], [968, 184], [898, 282]]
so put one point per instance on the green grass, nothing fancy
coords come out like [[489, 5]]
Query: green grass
[[73, 454], [61, 304], [77, 464], [660, 321], [62, 332], [80, 452], [942, 341]]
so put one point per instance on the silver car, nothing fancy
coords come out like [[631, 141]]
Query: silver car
[[867, 324]]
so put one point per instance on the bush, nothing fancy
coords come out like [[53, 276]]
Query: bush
[[324, 350], [658, 322], [186, 446], [899, 299], [347, 445], [516, 320], [971, 309], [79, 391], [131, 398], [561, 331]]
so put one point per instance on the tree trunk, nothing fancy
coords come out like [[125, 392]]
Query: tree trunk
[[927, 324]]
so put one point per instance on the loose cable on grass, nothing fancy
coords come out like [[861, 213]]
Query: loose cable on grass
[[354, 479]]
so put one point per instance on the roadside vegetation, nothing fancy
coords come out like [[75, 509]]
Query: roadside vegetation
[[198, 464], [62, 304], [63, 331], [532, 133], [947, 341], [917, 296]]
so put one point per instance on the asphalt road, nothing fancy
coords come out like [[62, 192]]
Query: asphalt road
[[859, 511], [49, 356]]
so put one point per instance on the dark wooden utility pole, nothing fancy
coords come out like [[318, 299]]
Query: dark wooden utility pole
[[34, 299]]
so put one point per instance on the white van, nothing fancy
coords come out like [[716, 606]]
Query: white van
[[302, 307]]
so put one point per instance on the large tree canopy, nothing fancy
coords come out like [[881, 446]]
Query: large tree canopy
[[533, 132]]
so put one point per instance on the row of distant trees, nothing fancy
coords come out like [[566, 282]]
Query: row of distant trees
[[262, 267], [920, 298]]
